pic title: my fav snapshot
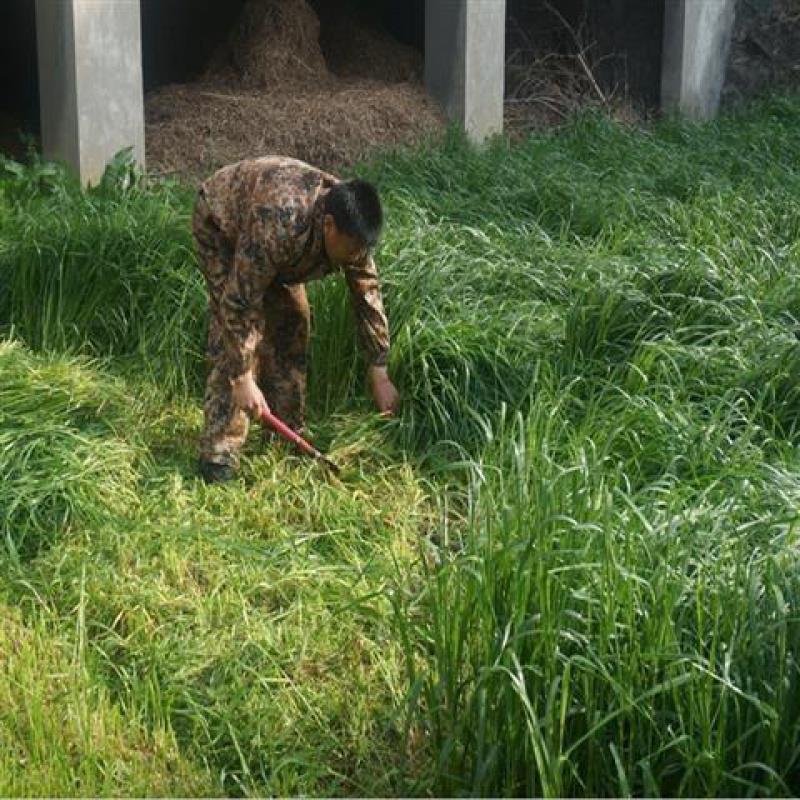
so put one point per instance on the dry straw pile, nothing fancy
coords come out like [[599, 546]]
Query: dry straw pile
[[270, 89]]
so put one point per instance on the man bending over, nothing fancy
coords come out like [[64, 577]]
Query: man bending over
[[263, 228]]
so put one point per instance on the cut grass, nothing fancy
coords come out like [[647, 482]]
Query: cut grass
[[254, 626], [68, 448], [60, 733], [252, 631], [568, 568]]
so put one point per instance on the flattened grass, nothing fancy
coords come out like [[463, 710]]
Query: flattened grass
[[239, 634], [68, 448], [60, 732]]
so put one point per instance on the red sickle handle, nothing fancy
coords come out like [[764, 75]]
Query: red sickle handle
[[284, 430]]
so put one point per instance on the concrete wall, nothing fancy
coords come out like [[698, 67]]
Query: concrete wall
[[697, 37], [55, 32], [465, 61], [485, 68], [91, 94]]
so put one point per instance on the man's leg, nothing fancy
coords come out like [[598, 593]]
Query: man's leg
[[225, 426], [225, 429], [284, 352]]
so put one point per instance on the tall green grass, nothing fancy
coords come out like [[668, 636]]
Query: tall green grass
[[567, 568], [104, 272], [617, 612], [590, 637]]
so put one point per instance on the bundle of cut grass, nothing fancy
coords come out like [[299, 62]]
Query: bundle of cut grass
[[274, 43], [63, 458], [270, 90]]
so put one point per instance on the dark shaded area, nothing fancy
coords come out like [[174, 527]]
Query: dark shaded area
[[622, 39], [19, 98], [765, 51], [402, 19], [405, 20], [180, 36], [629, 36]]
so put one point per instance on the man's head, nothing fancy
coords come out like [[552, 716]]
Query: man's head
[[353, 220]]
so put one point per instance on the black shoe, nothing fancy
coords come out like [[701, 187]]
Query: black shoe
[[216, 473]]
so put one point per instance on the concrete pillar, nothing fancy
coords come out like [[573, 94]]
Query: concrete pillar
[[465, 61], [697, 37], [90, 81]]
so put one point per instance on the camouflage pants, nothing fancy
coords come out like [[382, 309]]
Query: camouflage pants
[[281, 364]]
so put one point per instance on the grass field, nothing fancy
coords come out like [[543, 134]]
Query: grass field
[[570, 566]]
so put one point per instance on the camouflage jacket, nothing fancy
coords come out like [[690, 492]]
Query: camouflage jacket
[[270, 211]]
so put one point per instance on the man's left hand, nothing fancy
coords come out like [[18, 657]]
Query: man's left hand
[[386, 397]]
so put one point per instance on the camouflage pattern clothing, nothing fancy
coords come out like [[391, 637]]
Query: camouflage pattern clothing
[[258, 226]]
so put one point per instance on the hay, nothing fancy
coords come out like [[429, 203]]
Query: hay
[[269, 90], [355, 49], [192, 129], [273, 43]]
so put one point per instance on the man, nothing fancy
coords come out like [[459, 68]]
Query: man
[[264, 227]]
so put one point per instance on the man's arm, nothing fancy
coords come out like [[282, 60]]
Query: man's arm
[[365, 295], [242, 317], [373, 330]]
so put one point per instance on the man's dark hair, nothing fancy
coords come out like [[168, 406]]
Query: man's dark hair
[[356, 210]]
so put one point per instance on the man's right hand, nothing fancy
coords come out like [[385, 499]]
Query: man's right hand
[[248, 397]]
